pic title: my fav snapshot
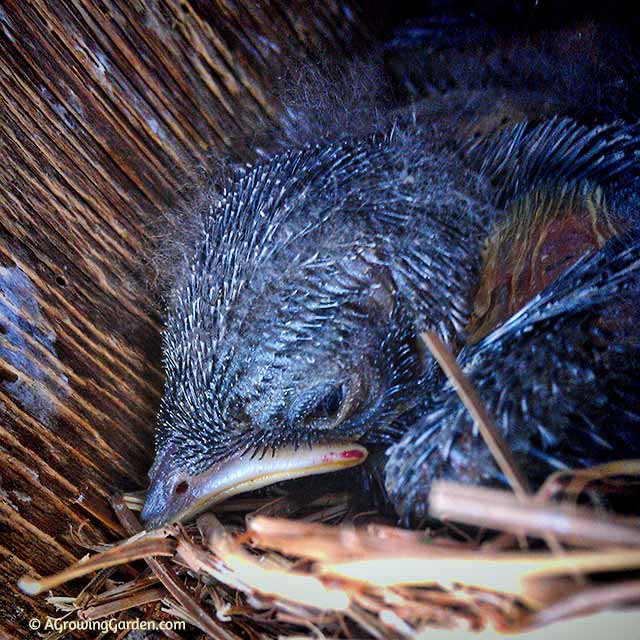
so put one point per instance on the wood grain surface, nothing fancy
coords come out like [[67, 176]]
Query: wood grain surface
[[106, 108]]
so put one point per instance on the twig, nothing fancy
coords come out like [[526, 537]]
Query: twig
[[122, 604], [496, 509], [132, 549], [485, 423], [197, 615]]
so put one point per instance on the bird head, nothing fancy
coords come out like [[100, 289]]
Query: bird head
[[288, 349]]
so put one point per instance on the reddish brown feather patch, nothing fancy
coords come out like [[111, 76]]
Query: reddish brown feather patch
[[545, 233]]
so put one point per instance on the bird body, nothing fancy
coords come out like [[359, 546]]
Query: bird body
[[441, 190], [296, 325]]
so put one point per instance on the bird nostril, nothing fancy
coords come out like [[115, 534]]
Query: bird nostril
[[181, 488]]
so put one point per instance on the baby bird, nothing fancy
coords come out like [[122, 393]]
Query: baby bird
[[292, 344]]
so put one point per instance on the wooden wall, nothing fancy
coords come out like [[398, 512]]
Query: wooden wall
[[105, 107]]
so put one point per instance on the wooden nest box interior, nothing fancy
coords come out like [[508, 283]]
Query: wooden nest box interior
[[112, 114]]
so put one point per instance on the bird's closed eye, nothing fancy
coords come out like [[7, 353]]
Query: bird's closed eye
[[329, 405], [321, 406]]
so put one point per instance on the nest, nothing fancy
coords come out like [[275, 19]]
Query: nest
[[291, 566]]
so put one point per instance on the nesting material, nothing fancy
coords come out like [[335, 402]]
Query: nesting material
[[281, 577]]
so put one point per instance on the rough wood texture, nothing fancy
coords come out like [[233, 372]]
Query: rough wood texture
[[104, 108]]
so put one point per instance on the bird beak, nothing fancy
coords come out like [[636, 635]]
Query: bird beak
[[178, 496]]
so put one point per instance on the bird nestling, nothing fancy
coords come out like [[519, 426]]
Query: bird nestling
[[292, 343]]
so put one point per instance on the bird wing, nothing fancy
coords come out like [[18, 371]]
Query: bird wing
[[565, 189], [561, 378], [517, 158]]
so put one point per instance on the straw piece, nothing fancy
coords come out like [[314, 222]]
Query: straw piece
[[110, 608], [322, 542], [133, 549], [506, 572], [579, 478], [485, 423], [167, 576], [367, 622], [497, 509], [141, 583], [288, 505], [612, 625], [252, 575], [589, 601]]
